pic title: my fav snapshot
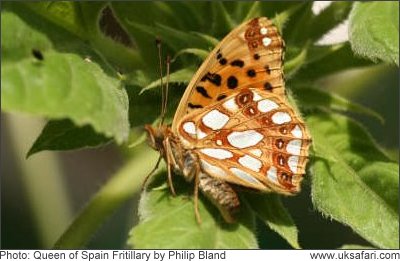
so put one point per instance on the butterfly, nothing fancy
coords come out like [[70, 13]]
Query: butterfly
[[234, 126]]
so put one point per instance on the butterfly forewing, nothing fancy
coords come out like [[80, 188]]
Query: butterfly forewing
[[250, 56], [251, 138]]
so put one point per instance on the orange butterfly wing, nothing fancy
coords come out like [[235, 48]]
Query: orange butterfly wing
[[250, 56], [235, 117]]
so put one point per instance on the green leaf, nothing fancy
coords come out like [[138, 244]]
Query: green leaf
[[283, 17], [79, 23], [296, 62], [312, 61], [386, 186], [191, 18], [298, 27], [330, 17], [64, 135], [159, 212], [200, 53], [374, 30], [254, 10], [181, 76], [222, 21], [141, 12], [174, 38], [309, 97], [355, 247], [60, 85], [212, 41], [120, 188], [64, 14], [358, 185], [271, 210], [328, 60]]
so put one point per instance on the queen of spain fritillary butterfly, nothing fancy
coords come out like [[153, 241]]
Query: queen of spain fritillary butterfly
[[234, 126]]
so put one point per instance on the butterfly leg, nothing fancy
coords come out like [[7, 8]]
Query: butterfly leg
[[170, 161], [196, 194]]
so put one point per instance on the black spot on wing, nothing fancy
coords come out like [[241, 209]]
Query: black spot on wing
[[251, 73], [213, 78], [268, 86], [223, 61], [232, 82], [221, 97], [203, 91], [194, 106], [216, 79], [267, 69], [238, 63]]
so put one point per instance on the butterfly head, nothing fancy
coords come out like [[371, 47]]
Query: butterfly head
[[156, 136]]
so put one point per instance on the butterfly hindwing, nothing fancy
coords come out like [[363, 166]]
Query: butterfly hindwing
[[251, 138]]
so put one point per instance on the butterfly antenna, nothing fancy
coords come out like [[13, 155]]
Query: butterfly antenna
[[158, 44], [166, 90]]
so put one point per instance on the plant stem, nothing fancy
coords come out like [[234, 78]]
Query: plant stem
[[121, 187]]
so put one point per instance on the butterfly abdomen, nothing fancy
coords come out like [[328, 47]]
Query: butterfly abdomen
[[221, 194]]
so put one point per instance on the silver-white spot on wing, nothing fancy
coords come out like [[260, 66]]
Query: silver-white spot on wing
[[271, 174], [266, 41], [244, 176], [256, 96], [266, 105], [200, 134], [297, 132], [215, 119], [263, 30], [189, 127], [293, 161], [250, 163], [230, 105], [294, 147], [244, 139], [207, 167], [256, 152], [217, 153], [281, 117]]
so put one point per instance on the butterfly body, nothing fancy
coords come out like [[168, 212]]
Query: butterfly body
[[185, 162], [234, 125]]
